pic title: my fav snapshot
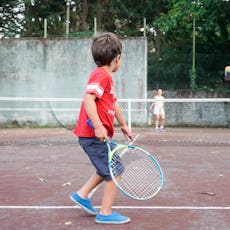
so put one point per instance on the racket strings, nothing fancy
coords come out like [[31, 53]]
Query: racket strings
[[140, 176], [141, 183]]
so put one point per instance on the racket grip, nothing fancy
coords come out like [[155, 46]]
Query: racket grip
[[90, 123]]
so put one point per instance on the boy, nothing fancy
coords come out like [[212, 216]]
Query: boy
[[100, 106]]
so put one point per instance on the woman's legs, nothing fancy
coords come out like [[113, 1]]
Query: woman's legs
[[157, 116], [162, 121]]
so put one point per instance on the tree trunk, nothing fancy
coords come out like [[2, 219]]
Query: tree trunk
[[85, 12], [99, 14]]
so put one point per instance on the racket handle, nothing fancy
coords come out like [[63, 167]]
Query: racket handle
[[90, 123]]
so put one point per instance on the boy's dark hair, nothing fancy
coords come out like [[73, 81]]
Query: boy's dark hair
[[105, 48]]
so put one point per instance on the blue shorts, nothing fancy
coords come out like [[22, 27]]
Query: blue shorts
[[97, 152]]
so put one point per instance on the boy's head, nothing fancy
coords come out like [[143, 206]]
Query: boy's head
[[105, 48]]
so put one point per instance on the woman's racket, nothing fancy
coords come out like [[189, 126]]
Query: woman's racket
[[135, 171]]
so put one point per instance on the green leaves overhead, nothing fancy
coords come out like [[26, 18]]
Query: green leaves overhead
[[212, 18]]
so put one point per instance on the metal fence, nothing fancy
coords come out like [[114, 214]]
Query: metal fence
[[32, 111]]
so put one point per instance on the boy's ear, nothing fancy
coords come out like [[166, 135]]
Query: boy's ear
[[118, 57]]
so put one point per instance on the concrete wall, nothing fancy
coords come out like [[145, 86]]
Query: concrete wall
[[60, 68]]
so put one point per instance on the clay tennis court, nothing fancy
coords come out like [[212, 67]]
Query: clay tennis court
[[41, 167]]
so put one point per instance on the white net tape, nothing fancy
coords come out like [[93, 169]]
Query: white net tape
[[179, 112]]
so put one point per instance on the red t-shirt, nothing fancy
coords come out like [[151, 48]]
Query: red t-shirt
[[100, 84]]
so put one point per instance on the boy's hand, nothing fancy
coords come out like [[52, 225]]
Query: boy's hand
[[101, 133], [127, 132]]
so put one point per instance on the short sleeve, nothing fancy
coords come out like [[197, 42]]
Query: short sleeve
[[98, 85]]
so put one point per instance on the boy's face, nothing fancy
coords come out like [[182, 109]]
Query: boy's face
[[117, 64]]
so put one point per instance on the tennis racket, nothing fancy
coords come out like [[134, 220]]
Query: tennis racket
[[134, 171], [150, 119]]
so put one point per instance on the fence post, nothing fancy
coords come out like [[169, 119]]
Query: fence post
[[144, 32], [95, 26], [67, 17], [129, 114], [45, 28]]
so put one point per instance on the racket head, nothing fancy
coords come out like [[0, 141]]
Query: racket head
[[135, 171]]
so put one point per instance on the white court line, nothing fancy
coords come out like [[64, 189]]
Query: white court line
[[125, 207]]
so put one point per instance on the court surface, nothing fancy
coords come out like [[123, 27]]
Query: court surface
[[41, 167]]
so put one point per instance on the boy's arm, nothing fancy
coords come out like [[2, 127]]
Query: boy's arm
[[121, 121], [91, 111]]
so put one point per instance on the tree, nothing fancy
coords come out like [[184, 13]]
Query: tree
[[53, 11], [212, 37], [11, 18]]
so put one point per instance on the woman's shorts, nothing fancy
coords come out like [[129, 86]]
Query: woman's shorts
[[159, 111]]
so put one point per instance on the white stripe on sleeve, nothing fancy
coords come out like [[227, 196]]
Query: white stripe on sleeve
[[96, 88]]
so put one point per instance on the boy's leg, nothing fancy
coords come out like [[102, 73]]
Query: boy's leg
[[106, 216], [81, 196], [92, 183], [109, 193]]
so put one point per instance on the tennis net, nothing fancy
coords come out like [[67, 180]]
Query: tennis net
[[32, 111]]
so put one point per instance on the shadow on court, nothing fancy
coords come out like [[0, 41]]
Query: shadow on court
[[41, 167]]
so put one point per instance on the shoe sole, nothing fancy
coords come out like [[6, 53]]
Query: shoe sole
[[86, 209], [112, 222]]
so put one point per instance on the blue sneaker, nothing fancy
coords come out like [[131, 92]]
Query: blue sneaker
[[84, 203], [113, 218]]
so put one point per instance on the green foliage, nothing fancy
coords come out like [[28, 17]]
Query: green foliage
[[212, 38], [11, 18], [192, 75], [53, 11], [169, 71]]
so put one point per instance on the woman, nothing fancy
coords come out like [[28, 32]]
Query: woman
[[158, 111]]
